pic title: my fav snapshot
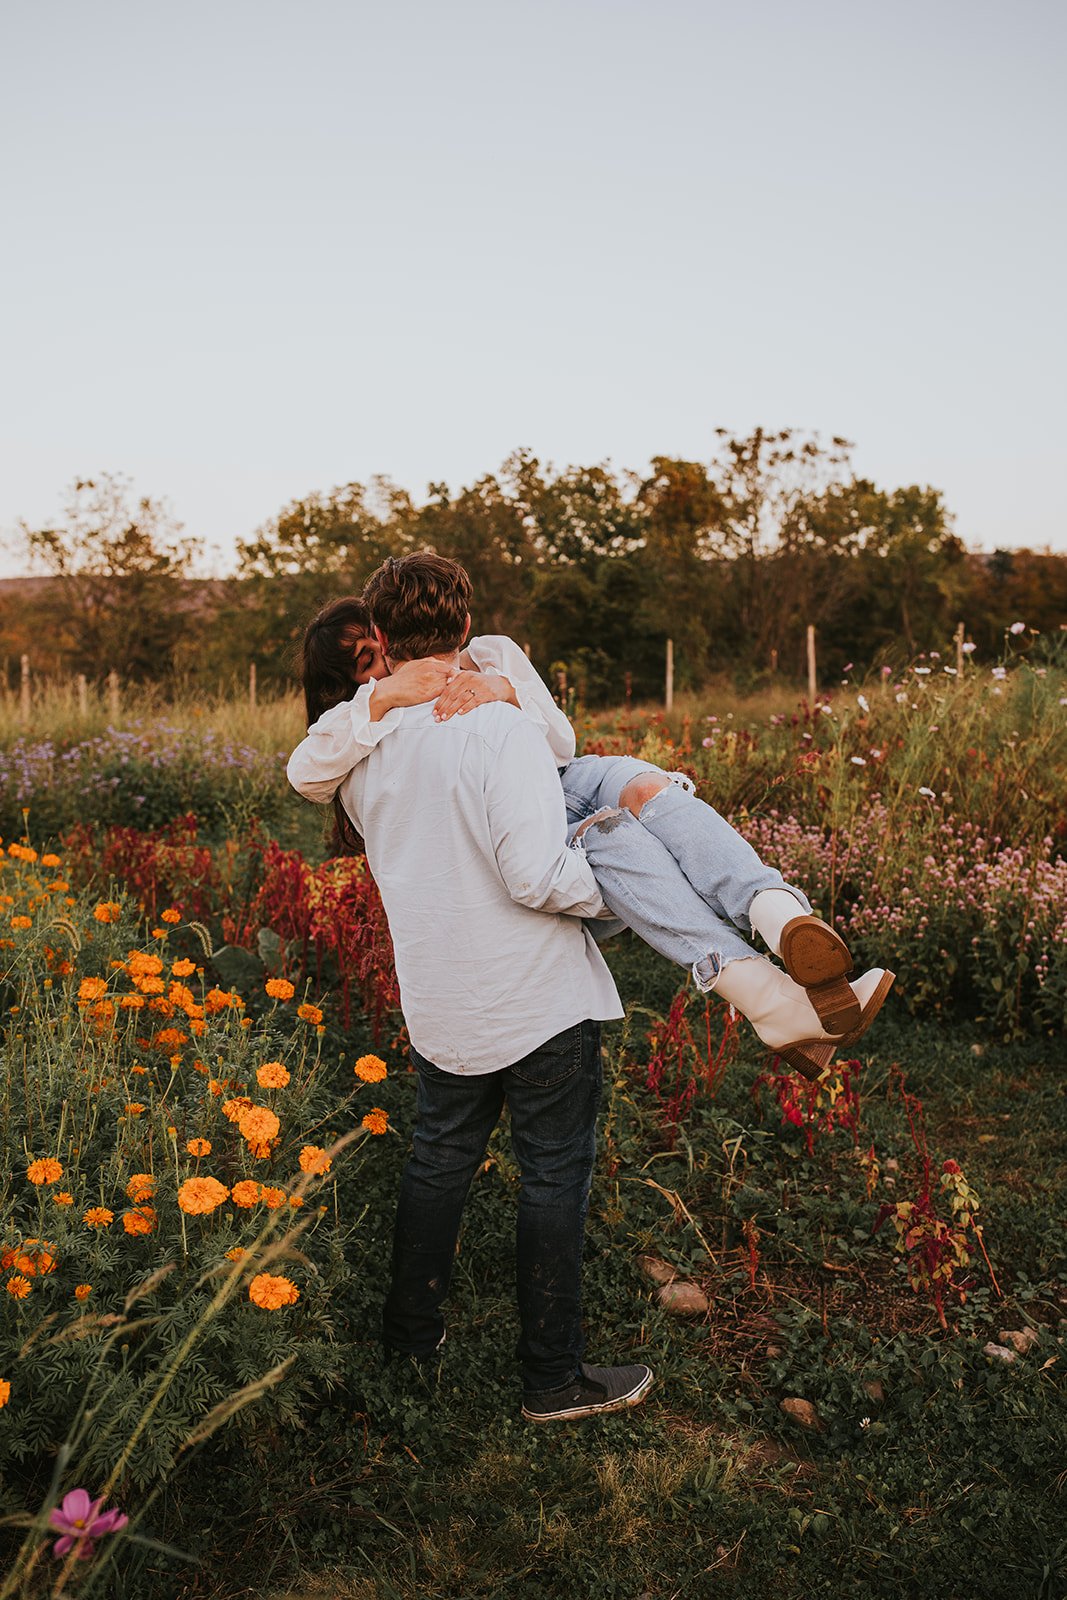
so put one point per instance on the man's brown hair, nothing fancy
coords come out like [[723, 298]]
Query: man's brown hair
[[421, 603]]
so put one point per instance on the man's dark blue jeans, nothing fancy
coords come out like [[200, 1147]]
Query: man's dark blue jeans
[[553, 1095]]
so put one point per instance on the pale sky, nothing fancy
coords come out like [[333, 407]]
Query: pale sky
[[253, 249]]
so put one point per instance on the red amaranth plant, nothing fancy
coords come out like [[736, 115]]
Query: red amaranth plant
[[678, 1064], [831, 1102]]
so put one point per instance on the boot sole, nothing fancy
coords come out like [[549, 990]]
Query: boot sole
[[818, 959], [811, 1057], [634, 1398]]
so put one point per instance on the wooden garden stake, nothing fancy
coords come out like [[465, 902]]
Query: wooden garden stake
[[670, 674], [812, 682]]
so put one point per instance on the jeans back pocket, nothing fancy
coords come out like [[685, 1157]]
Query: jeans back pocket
[[556, 1059]]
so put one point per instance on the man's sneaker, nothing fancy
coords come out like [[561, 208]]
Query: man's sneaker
[[595, 1389]]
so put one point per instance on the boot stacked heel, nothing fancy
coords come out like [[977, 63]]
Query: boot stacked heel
[[811, 1057], [818, 959]]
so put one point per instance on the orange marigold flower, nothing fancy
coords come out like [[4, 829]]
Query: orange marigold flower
[[217, 1000], [63, 1198], [134, 1108], [183, 968], [262, 1151], [50, 861], [40, 1260], [22, 922], [22, 852], [138, 1070], [238, 1253], [141, 1187], [272, 1291], [272, 1075], [98, 1217], [144, 964], [309, 1013], [159, 933], [313, 1158], [271, 1197], [197, 1026], [376, 1120], [232, 1109], [170, 915], [141, 1221], [200, 1195], [132, 1002], [245, 1194], [199, 1147], [296, 1200], [83, 1291], [148, 984], [280, 989], [19, 1286], [46, 1170], [92, 988], [107, 911], [258, 1124], [5, 1392], [181, 995], [371, 1069]]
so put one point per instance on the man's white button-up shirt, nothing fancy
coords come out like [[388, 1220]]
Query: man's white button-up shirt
[[465, 830]]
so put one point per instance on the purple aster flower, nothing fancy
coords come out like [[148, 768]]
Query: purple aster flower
[[81, 1521]]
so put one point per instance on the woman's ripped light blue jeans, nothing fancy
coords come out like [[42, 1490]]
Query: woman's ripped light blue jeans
[[677, 874]]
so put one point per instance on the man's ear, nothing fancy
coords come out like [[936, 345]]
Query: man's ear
[[466, 629], [380, 636]]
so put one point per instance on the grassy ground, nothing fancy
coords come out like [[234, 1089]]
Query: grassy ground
[[935, 1470]]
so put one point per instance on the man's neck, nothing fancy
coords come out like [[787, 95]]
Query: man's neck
[[449, 657]]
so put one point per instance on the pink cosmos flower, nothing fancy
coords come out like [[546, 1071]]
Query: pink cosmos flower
[[81, 1521]]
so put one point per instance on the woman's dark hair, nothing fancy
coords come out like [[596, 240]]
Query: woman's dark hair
[[328, 675]]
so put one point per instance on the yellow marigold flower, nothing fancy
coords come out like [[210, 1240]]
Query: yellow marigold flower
[[280, 989], [92, 988], [19, 1286], [22, 922], [134, 1108], [199, 1147], [245, 1194], [63, 1198], [5, 1393], [141, 1221], [371, 1069], [271, 1197], [83, 1291], [313, 1158], [272, 1075], [258, 1124], [232, 1109], [170, 915], [271, 1291], [183, 968], [236, 1254], [51, 861], [309, 1013], [200, 1195], [98, 1217], [141, 1187], [107, 911], [376, 1120], [46, 1170]]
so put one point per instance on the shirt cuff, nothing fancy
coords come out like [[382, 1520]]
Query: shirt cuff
[[363, 729]]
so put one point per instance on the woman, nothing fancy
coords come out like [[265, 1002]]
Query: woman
[[684, 880]]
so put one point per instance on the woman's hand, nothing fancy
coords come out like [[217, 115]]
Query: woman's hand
[[470, 689], [411, 684]]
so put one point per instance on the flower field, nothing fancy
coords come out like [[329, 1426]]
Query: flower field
[[204, 1107]]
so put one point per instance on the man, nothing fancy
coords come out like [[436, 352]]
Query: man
[[502, 988]]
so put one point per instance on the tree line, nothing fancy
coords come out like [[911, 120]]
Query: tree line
[[593, 567]]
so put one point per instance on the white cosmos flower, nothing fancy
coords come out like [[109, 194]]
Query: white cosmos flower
[[929, 793], [923, 672], [858, 761], [969, 647]]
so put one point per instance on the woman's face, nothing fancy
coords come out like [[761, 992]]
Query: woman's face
[[367, 659]]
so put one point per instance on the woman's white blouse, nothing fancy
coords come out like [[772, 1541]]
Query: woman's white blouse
[[345, 735]]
